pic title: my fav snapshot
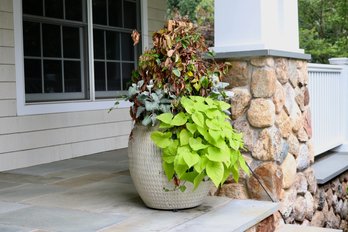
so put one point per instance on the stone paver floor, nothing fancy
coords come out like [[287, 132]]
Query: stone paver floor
[[95, 193]]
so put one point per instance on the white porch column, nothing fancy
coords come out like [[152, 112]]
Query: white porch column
[[245, 25], [343, 62]]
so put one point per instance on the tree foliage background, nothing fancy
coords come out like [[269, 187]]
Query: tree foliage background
[[323, 24], [324, 28]]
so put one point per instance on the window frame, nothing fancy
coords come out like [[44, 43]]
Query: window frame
[[92, 103], [44, 97]]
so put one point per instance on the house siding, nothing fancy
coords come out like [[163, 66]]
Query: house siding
[[157, 11], [36, 139]]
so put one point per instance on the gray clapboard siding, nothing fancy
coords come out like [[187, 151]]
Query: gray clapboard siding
[[7, 55], [6, 5], [6, 20], [46, 138], [156, 16], [7, 90], [158, 4], [7, 108], [25, 158], [6, 38], [30, 123], [7, 73]]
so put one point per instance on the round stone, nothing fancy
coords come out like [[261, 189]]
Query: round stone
[[268, 145], [263, 82], [289, 171], [238, 74], [279, 97], [240, 101], [261, 113], [271, 177]]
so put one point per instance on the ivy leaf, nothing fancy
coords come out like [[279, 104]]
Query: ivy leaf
[[215, 171], [197, 98], [179, 159], [177, 72], [184, 137], [161, 140], [235, 173], [216, 135], [227, 172], [213, 124], [191, 158], [165, 126], [201, 165], [234, 156], [210, 102], [168, 170], [196, 144], [179, 119], [234, 144], [187, 104], [166, 118], [243, 165], [198, 118], [198, 180], [180, 170], [217, 154], [189, 176], [212, 113], [223, 105], [206, 135], [182, 188], [191, 127], [200, 106], [169, 153]]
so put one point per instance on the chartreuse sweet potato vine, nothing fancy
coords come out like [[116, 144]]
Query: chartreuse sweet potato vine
[[199, 141]]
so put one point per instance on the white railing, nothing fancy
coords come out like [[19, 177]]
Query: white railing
[[327, 97]]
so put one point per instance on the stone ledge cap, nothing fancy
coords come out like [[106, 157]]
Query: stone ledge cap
[[330, 165], [261, 52], [339, 61]]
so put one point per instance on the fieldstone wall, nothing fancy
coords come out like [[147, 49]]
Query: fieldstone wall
[[271, 107], [331, 204]]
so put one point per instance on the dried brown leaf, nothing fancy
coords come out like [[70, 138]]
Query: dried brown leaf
[[135, 37]]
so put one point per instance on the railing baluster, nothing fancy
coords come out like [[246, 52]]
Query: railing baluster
[[324, 87]]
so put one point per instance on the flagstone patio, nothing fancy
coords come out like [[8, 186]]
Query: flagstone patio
[[95, 193]]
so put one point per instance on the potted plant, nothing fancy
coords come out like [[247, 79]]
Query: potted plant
[[182, 139]]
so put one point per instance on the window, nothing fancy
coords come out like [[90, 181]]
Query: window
[[56, 35]]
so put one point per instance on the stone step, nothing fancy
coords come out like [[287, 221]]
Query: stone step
[[298, 228], [216, 214], [330, 165]]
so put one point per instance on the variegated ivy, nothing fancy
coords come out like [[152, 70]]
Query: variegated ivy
[[199, 141]]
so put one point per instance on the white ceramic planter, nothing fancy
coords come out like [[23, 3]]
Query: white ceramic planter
[[145, 165]]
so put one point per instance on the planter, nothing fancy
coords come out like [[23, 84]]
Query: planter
[[145, 166]]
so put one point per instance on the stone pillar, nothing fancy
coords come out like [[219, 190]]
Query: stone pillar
[[271, 108], [271, 103]]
